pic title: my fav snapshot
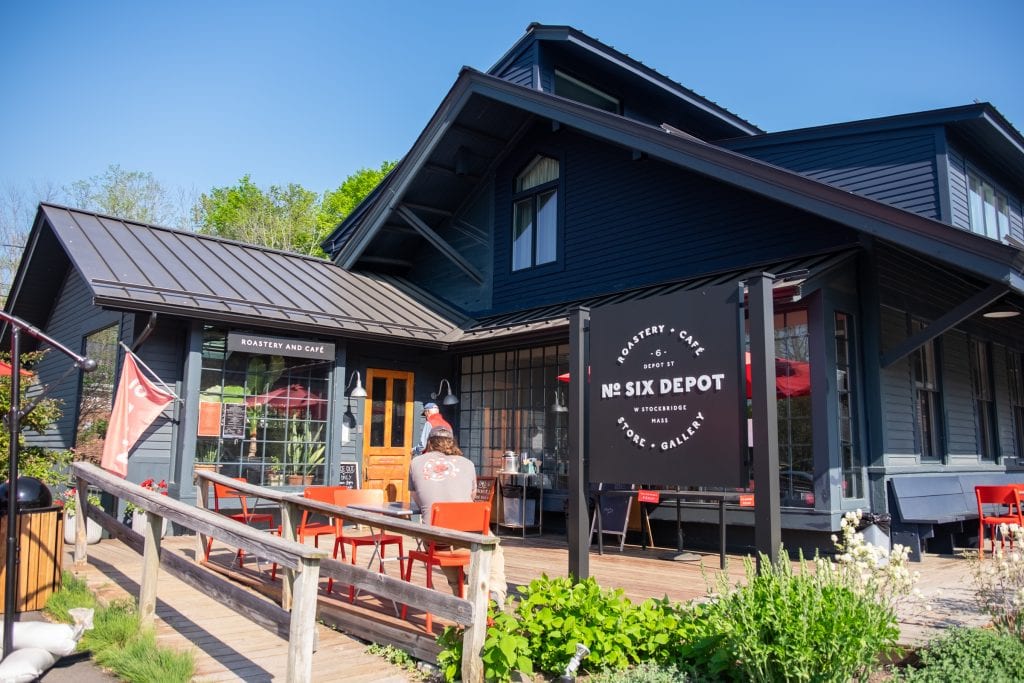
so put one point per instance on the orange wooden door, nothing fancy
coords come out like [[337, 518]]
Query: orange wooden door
[[388, 438]]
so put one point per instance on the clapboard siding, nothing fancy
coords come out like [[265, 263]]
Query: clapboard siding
[[962, 432], [958, 190], [896, 169], [73, 317], [897, 392], [520, 71], [629, 223], [162, 353]]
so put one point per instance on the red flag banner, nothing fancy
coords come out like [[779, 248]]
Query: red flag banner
[[136, 405]]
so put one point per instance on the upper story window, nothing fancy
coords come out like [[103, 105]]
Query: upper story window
[[535, 215], [575, 89], [990, 213]]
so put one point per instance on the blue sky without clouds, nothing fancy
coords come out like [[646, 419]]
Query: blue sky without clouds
[[200, 93]]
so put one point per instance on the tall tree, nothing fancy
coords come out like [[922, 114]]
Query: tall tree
[[132, 195], [290, 218]]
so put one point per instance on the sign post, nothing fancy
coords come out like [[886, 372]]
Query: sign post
[[576, 522], [767, 515]]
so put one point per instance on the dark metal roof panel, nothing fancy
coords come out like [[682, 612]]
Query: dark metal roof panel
[[142, 267], [556, 316]]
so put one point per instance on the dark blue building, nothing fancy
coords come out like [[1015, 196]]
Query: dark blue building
[[571, 174]]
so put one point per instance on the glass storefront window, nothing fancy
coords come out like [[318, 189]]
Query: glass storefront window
[[849, 453], [513, 401], [796, 460], [262, 417], [97, 396]]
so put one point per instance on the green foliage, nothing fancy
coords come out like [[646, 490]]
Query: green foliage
[[449, 659], [645, 672], [999, 582], [290, 217], [395, 657], [133, 195], [968, 655], [117, 640], [790, 626]]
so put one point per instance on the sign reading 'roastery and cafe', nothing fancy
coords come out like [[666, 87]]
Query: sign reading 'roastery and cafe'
[[280, 346], [666, 390]]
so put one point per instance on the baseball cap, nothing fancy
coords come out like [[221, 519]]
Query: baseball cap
[[429, 406], [441, 432]]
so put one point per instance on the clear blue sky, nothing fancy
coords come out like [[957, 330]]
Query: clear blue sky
[[200, 93]]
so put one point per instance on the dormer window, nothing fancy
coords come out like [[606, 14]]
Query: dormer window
[[535, 215], [990, 213], [575, 89]]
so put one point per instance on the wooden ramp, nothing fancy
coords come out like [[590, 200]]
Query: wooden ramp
[[226, 646]]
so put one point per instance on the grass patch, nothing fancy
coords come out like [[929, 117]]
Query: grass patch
[[117, 640]]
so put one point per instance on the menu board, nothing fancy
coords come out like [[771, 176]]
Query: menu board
[[484, 489], [233, 421], [349, 475]]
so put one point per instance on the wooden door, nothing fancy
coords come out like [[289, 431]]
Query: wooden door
[[387, 436]]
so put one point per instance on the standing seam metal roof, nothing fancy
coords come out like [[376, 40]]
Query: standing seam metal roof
[[142, 267]]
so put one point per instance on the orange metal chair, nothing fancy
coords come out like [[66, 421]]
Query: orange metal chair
[[997, 505], [314, 529], [379, 540], [225, 492], [474, 517]]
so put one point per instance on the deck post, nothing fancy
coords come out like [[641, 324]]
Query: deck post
[[478, 593], [82, 507], [150, 568], [290, 514], [203, 502], [302, 627]]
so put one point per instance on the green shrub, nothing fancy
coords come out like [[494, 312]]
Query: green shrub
[[968, 655], [786, 626], [646, 672]]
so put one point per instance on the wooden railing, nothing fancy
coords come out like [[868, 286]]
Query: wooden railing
[[303, 567]]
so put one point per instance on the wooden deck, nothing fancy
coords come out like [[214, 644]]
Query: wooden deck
[[229, 647]]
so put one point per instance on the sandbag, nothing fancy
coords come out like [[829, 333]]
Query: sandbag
[[26, 664]]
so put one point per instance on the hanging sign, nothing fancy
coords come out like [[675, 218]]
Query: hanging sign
[[250, 342], [667, 390]]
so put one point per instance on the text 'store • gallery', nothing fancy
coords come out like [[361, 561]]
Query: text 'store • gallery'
[[571, 175]]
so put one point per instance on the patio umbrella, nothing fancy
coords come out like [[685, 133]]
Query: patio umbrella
[[291, 397], [5, 370]]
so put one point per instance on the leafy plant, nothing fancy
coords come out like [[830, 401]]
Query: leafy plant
[[645, 672], [69, 500], [1000, 583], [306, 450], [395, 657], [968, 655]]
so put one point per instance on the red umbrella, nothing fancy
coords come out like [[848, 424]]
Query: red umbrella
[[5, 370], [291, 397]]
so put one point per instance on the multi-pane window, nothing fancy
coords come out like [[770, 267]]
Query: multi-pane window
[[927, 405], [535, 214], [990, 213], [1015, 375], [262, 417], [97, 395], [852, 462], [513, 401], [984, 403], [792, 372], [575, 89]]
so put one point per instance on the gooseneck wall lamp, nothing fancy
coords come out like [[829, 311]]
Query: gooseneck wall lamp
[[450, 399], [358, 392]]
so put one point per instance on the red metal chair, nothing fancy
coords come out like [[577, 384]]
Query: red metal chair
[[380, 540], [225, 492], [997, 505], [313, 528], [472, 517]]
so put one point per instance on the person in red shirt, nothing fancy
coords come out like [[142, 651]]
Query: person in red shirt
[[433, 419]]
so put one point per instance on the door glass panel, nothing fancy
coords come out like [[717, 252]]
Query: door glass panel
[[398, 413], [378, 412]]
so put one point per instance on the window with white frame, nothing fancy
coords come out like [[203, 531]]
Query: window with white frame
[[535, 214], [990, 212]]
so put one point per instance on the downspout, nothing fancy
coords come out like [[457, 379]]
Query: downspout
[[146, 331]]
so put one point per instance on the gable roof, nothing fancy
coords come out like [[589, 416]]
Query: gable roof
[[509, 107], [136, 267], [978, 125], [580, 41]]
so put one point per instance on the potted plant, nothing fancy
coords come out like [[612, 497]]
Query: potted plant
[[93, 531], [138, 516], [306, 452], [274, 476]]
